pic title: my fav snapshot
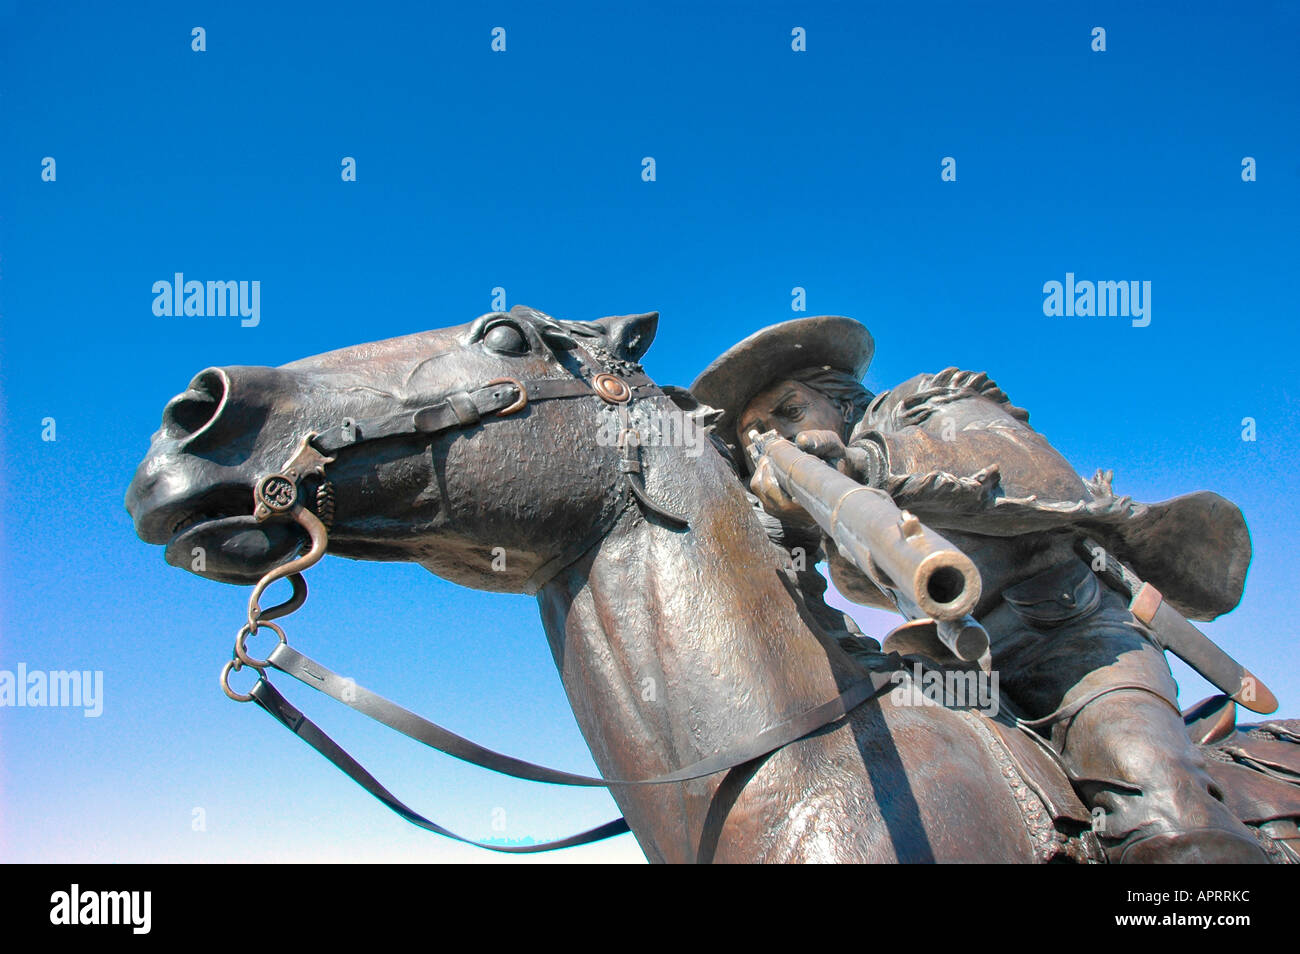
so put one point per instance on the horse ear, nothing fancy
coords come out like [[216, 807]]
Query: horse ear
[[630, 335]]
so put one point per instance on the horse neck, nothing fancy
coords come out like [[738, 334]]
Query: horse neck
[[672, 644]]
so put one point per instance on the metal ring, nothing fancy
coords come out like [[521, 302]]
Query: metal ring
[[519, 402], [233, 666], [835, 510], [247, 630], [611, 388]]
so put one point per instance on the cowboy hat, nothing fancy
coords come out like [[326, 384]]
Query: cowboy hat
[[744, 369]]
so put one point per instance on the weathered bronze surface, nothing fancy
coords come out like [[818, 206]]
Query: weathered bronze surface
[[932, 578], [1082, 667], [647, 560]]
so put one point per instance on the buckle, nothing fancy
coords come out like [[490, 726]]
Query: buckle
[[519, 403]]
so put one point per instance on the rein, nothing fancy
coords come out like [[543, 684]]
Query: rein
[[281, 496]]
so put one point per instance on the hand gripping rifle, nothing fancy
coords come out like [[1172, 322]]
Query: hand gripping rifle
[[928, 576]]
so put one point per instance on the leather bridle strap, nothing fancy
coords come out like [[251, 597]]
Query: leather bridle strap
[[284, 712], [313, 674], [465, 409], [459, 409]]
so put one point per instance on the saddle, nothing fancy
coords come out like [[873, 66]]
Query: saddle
[[1255, 769], [1255, 766]]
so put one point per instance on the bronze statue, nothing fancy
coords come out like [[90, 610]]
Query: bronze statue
[[764, 741], [1080, 665]]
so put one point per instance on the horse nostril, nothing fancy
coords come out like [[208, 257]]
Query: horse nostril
[[190, 413]]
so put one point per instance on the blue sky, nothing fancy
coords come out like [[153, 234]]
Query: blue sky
[[775, 169]]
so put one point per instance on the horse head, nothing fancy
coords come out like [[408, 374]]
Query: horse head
[[449, 448]]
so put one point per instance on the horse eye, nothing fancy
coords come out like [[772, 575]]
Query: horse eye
[[506, 339]]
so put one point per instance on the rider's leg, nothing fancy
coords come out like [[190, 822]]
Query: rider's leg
[[1107, 699], [1165, 807]]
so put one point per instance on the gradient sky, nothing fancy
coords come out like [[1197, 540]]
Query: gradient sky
[[522, 169]]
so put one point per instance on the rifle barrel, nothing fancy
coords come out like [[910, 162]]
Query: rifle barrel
[[881, 540]]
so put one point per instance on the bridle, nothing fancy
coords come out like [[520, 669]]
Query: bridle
[[283, 496]]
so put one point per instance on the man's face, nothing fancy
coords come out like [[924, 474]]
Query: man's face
[[789, 407]]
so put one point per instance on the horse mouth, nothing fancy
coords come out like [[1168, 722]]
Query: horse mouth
[[223, 541], [194, 518]]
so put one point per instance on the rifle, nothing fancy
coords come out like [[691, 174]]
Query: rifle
[[904, 557]]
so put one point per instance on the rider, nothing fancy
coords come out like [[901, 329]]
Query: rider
[[952, 449], [839, 350]]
